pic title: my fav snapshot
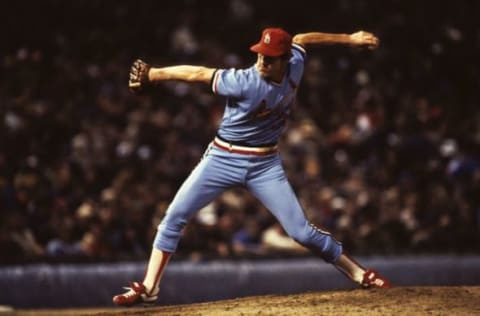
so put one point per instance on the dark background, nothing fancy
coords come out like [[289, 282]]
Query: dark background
[[388, 157]]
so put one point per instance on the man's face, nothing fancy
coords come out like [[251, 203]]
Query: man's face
[[271, 67]]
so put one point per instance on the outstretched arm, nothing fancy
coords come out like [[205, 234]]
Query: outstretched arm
[[184, 73], [142, 74], [360, 38]]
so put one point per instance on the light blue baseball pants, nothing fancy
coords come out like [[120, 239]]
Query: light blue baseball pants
[[264, 177]]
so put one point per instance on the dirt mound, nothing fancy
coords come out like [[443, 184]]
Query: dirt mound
[[395, 301]]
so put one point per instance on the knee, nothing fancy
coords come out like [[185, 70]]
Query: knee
[[172, 222], [308, 234], [301, 235], [319, 241], [168, 234]]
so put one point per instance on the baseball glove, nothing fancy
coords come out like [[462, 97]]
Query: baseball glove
[[138, 81]]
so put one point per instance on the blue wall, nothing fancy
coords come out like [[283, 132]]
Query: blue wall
[[42, 286]]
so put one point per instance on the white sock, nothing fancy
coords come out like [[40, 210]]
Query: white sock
[[156, 265], [350, 267]]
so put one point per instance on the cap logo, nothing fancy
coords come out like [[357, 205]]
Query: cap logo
[[266, 40]]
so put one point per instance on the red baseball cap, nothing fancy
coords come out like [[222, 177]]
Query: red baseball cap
[[274, 42]]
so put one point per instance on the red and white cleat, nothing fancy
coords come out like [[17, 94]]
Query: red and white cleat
[[136, 295], [371, 280]]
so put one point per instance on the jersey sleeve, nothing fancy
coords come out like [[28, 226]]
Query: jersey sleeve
[[297, 63], [229, 82], [298, 53]]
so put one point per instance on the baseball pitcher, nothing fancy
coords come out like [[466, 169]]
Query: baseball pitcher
[[245, 153]]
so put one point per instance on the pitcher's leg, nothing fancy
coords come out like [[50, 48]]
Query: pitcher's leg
[[274, 191], [210, 178]]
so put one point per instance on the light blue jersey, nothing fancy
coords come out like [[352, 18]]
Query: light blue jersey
[[257, 109]]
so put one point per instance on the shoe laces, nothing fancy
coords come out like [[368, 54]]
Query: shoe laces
[[373, 279], [131, 292], [377, 282]]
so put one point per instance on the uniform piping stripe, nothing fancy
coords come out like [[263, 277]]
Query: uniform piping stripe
[[299, 48], [165, 257], [215, 81], [324, 232]]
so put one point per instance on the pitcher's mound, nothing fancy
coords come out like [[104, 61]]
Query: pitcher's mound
[[395, 301]]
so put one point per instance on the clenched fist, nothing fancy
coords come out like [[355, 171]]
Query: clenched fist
[[363, 38]]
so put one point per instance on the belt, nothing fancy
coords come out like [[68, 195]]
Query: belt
[[246, 150]]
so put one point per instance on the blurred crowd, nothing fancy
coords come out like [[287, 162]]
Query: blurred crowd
[[383, 149]]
